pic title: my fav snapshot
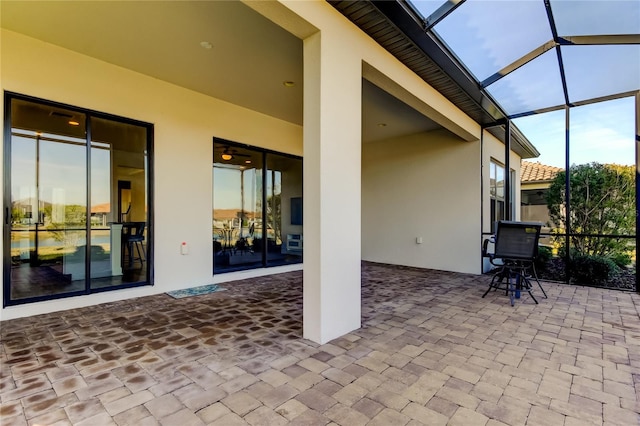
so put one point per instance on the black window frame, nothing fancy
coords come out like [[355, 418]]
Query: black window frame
[[9, 96]]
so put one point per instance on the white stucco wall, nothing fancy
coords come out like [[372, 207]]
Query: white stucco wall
[[185, 122], [425, 185]]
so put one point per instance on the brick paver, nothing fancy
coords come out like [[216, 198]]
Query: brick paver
[[431, 350]]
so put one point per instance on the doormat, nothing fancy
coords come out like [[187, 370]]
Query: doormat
[[195, 291]]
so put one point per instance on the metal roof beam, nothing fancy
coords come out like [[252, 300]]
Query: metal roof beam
[[562, 41], [576, 104], [518, 63], [599, 40], [442, 12], [554, 32]]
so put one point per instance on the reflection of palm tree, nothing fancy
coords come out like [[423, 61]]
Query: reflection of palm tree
[[274, 215]]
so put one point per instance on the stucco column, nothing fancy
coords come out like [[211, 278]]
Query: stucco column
[[332, 191]]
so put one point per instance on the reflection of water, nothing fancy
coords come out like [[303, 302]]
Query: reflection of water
[[52, 242]]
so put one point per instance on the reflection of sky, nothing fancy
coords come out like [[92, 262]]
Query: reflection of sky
[[100, 176], [63, 167], [226, 195], [603, 132], [62, 172]]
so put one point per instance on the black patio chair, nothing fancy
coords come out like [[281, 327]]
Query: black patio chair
[[133, 241], [515, 251]]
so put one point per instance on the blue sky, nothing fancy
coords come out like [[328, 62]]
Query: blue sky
[[603, 132]]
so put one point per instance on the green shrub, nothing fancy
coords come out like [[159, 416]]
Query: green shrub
[[544, 255], [594, 270], [621, 259]]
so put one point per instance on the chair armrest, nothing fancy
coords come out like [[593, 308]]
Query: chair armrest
[[485, 245]]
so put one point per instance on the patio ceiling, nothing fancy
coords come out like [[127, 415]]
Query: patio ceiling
[[246, 62]]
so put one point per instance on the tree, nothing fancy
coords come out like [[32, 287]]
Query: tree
[[274, 215], [602, 202]]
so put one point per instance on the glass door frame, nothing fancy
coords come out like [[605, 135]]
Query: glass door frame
[[89, 114]]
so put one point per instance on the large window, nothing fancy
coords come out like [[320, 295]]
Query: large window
[[257, 208], [497, 194], [76, 182]]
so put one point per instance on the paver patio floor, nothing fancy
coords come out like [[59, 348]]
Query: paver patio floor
[[430, 351]]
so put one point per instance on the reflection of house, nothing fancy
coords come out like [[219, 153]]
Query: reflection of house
[[100, 214]]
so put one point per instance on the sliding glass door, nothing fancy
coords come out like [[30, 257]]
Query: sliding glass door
[[63, 166], [284, 209], [253, 191], [48, 202]]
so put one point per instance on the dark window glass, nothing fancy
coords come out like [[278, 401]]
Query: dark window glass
[[253, 222]]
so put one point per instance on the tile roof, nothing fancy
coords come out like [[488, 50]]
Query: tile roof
[[101, 208], [536, 172]]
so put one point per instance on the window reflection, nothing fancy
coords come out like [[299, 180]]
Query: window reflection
[[57, 196], [284, 209], [48, 200], [251, 224], [119, 181], [497, 195]]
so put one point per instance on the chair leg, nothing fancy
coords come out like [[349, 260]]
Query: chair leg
[[499, 274], [141, 253], [535, 275], [527, 285], [512, 286], [130, 252]]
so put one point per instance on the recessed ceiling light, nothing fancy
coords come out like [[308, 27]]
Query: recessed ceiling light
[[382, 124], [206, 45], [247, 161], [289, 83], [74, 123]]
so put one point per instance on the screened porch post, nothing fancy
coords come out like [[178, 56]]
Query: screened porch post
[[332, 188]]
